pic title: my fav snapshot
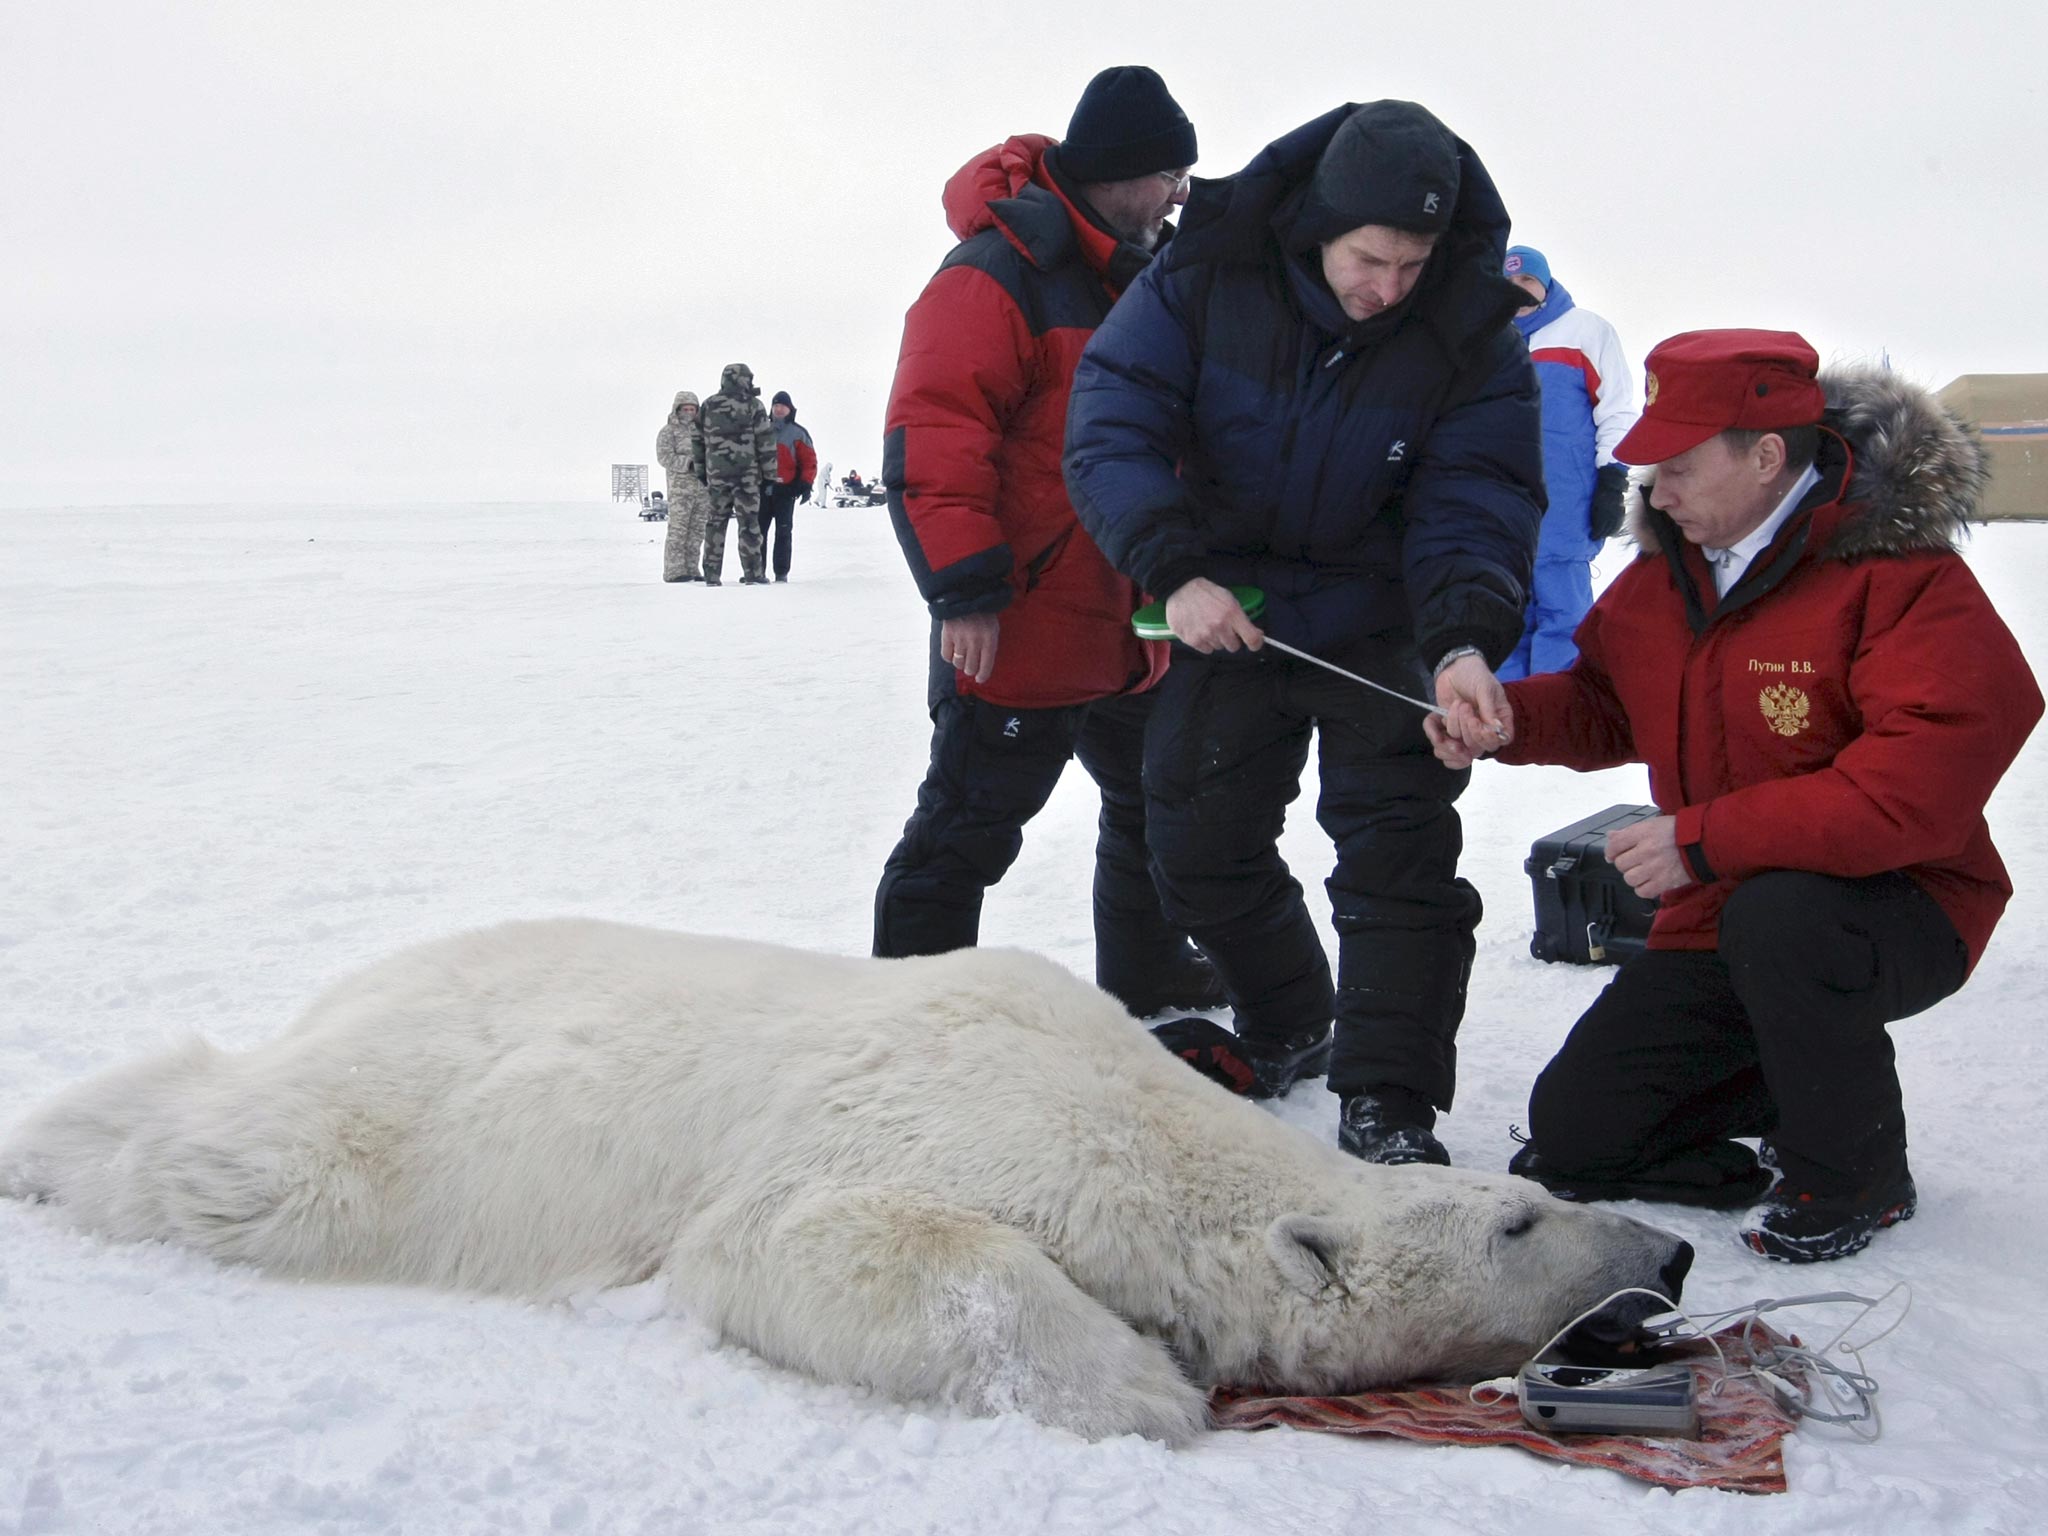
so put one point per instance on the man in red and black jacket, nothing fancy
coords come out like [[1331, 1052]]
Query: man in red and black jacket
[[796, 468], [1033, 660], [1826, 700]]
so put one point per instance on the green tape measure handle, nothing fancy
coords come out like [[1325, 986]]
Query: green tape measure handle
[[1149, 622]]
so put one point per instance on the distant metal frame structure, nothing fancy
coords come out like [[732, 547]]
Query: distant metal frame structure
[[629, 482]]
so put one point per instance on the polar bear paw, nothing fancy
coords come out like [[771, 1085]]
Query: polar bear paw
[[1123, 1386], [1025, 1339], [921, 1299]]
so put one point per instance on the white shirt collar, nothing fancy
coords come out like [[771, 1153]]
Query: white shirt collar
[[1730, 563]]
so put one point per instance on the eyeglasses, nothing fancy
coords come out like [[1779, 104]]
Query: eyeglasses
[[1178, 180]]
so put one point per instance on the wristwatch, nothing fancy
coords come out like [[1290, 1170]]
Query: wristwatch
[[1455, 653]]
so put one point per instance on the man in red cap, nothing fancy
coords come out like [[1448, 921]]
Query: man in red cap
[[1825, 699]]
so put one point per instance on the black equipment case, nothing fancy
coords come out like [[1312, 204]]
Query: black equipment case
[[1585, 912]]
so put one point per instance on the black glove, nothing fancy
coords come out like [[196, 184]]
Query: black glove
[[1610, 490], [803, 490]]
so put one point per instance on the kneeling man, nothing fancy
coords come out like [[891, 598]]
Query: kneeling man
[[1825, 699]]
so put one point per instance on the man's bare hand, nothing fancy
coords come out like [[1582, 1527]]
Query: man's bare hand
[[1646, 856], [1476, 715], [970, 643], [1205, 617], [1449, 750]]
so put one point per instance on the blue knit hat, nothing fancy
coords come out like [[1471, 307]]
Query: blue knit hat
[[1526, 261]]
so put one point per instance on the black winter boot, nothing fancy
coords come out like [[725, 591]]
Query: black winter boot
[[1719, 1176], [1391, 1126], [1805, 1220], [1252, 1069]]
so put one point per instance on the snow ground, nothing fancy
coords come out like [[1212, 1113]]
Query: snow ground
[[247, 749]]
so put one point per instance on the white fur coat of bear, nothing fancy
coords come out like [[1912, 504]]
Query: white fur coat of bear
[[970, 1178]]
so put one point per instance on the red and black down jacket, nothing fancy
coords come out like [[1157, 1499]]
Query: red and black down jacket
[[1848, 707], [796, 461], [976, 420]]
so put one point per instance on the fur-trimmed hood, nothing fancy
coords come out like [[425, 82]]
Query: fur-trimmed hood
[[1915, 475]]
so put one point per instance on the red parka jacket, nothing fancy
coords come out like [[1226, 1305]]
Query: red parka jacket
[[1847, 707], [976, 419], [796, 461]]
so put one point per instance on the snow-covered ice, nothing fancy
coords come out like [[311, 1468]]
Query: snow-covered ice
[[248, 748]]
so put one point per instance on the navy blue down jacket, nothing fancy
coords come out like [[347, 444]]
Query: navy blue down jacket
[[1375, 478]]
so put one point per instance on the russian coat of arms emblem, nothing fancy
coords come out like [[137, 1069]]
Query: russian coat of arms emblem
[[1786, 708]]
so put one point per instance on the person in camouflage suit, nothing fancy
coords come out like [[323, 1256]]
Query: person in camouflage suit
[[733, 451], [682, 556]]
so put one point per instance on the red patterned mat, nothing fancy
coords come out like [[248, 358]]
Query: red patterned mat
[[1740, 1447]]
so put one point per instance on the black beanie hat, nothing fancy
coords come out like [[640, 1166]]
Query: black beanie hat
[[1126, 126], [782, 398], [1389, 162]]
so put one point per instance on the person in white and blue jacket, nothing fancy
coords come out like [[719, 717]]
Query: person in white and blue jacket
[[1588, 404], [1316, 390]]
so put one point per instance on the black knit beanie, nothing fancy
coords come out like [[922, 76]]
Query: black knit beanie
[[1126, 126], [782, 398], [1389, 162]]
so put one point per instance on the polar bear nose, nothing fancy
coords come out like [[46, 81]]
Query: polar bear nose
[[1672, 1275], [1614, 1335]]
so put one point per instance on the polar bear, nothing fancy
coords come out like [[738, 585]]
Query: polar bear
[[969, 1178]]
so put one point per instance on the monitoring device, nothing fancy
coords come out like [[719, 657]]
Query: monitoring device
[[1653, 1400]]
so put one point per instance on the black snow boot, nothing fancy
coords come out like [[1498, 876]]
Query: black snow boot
[[1720, 1175], [1252, 1069], [1808, 1221], [1391, 1126]]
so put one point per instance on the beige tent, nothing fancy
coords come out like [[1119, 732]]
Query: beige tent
[[2011, 411]]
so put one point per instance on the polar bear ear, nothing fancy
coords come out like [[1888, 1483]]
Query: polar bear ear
[[1305, 1248]]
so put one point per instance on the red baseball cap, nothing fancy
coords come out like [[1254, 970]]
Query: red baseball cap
[[1705, 382]]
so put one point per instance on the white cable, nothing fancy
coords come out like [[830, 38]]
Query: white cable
[[1855, 1391], [1506, 1385]]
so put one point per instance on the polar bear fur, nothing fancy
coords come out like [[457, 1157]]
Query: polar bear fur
[[970, 1178]]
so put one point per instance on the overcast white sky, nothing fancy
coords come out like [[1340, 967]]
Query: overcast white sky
[[445, 250]]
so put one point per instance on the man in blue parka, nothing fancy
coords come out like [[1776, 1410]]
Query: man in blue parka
[[1318, 391]]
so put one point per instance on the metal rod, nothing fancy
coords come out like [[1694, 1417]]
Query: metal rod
[[1330, 666], [1392, 693]]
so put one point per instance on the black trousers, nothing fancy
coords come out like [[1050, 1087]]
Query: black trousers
[[778, 511], [1229, 739], [1780, 1033], [992, 769]]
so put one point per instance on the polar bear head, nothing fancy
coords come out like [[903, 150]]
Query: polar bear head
[[1435, 1272]]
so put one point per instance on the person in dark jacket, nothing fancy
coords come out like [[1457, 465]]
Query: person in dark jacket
[[1317, 390], [1033, 661], [1826, 699], [796, 469]]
